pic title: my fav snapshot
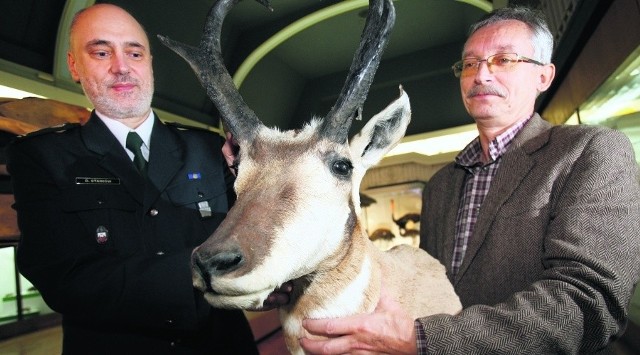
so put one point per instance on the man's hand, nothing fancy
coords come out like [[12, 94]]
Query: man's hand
[[230, 151], [279, 297], [389, 329]]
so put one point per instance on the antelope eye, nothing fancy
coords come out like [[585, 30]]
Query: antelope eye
[[342, 167]]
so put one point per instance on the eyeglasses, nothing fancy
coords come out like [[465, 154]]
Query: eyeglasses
[[499, 62]]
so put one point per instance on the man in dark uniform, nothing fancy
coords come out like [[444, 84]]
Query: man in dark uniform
[[108, 226]]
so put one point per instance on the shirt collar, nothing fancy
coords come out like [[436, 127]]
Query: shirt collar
[[471, 155], [120, 130]]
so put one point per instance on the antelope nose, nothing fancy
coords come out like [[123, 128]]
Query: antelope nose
[[217, 264]]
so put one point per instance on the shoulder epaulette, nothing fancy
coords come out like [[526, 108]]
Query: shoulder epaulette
[[53, 129], [182, 126]]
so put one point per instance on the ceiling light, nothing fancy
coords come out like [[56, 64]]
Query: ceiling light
[[437, 142], [12, 93]]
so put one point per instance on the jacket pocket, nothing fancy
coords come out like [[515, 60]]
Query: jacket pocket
[[107, 213], [207, 198]]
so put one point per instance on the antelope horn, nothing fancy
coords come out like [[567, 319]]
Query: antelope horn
[[206, 61], [374, 38]]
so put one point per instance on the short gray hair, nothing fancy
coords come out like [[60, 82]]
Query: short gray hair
[[542, 38]]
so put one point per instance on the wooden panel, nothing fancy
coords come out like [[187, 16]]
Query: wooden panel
[[21, 116], [8, 224]]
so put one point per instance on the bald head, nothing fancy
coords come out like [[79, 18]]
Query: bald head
[[95, 18]]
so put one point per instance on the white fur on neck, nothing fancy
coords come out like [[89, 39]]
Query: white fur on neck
[[347, 301]]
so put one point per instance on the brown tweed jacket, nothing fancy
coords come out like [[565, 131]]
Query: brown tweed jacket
[[555, 254]]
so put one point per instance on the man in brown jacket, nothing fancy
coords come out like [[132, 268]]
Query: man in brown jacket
[[538, 226]]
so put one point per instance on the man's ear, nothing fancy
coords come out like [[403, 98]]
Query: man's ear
[[547, 73], [71, 64]]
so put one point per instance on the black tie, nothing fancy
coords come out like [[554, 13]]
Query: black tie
[[134, 144]]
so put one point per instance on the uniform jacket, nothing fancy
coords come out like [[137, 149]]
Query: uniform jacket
[[555, 252], [111, 252]]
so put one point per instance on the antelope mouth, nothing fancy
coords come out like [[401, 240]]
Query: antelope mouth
[[228, 293], [236, 300]]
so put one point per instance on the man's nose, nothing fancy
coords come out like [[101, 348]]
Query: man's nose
[[483, 72], [120, 64]]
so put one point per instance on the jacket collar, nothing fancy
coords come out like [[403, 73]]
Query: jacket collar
[[165, 158]]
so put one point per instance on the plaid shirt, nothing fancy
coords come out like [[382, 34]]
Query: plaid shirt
[[476, 186]]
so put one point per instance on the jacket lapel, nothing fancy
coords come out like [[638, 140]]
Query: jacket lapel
[[98, 139], [166, 157], [516, 164], [446, 242]]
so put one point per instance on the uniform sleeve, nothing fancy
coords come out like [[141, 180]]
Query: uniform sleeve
[[591, 264]]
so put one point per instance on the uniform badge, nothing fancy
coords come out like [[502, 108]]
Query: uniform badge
[[102, 235], [194, 176]]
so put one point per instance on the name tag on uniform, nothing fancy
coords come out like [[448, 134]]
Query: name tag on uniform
[[97, 181]]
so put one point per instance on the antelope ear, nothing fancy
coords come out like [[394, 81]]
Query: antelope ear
[[382, 132]]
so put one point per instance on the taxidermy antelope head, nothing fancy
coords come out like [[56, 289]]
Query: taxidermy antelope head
[[296, 214]]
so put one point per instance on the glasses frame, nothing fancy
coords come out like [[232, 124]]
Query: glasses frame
[[458, 69]]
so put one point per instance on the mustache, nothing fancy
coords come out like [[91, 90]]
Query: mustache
[[123, 78], [485, 90]]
